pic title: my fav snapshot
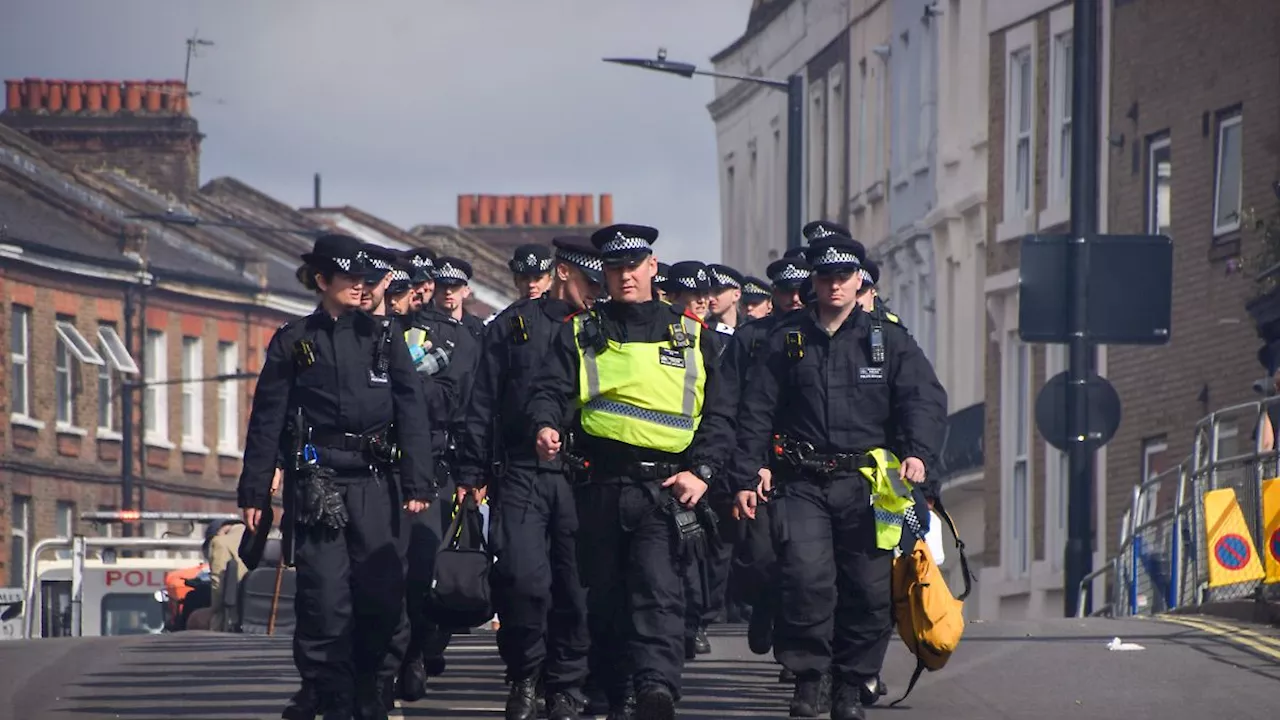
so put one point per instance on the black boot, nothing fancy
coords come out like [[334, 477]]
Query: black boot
[[412, 685], [848, 703], [872, 690], [623, 709], [522, 701], [655, 702], [701, 643], [303, 705], [812, 697], [786, 676], [564, 706], [370, 704]]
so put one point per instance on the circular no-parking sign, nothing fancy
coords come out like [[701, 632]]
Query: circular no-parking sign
[[1231, 551], [1274, 545]]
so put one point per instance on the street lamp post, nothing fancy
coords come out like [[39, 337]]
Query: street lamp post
[[794, 87]]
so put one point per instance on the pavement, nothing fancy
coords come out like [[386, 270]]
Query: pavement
[[1189, 667]]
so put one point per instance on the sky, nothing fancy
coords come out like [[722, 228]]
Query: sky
[[402, 105]]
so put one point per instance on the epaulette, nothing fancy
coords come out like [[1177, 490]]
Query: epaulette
[[892, 318]]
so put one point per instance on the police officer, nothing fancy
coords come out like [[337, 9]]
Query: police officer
[[422, 277], [537, 591], [754, 564], [660, 281], [530, 267], [352, 383], [688, 286], [726, 295], [453, 287], [755, 297], [376, 279], [651, 429], [442, 337], [823, 392]]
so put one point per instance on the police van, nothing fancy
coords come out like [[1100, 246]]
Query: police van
[[88, 589]]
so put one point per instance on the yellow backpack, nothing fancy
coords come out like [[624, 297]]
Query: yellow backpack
[[930, 619]]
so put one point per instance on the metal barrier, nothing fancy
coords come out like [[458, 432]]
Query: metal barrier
[[1161, 561]]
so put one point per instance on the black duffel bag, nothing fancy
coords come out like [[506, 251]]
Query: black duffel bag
[[460, 586]]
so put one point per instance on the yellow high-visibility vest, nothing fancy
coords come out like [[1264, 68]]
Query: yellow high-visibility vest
[[645, 394], [890, 497]]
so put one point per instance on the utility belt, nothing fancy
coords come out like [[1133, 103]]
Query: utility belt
[[378, 446], [802, 456]]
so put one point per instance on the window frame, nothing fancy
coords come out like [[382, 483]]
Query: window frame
[[1019, 41], [22, 359], [1057, 477], [1058, 191], [1017, 400], [20, 534], [64, 384], [1156, 143], [192, 395], [1226, 121], [117, 353], [228, 360], [79, 347], [155, 391]]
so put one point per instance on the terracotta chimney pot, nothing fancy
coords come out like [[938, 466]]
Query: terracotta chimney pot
[[152, 95], [132, 95], [501, 210], [606, 208], [486, 211], [572, 210], [57, 92], [520, 210], [75, 96], [588, 210], [93, 96], [466, 210], [538, 210], [555, 209], [35, 93], [113, 96], [13, 94]]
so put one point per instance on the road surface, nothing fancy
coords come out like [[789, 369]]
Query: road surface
[[1036, 670]]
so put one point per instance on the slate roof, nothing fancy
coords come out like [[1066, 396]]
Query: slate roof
[[504, 240]]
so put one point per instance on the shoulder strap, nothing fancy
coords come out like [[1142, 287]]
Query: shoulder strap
[[915, 677], [964, 562]]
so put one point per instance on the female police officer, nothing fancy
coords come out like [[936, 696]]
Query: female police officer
[[350, 381]]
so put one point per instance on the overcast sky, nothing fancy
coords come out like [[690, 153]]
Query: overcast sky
[[403, 104]]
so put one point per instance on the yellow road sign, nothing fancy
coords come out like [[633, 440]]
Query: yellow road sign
[[1232, 557]]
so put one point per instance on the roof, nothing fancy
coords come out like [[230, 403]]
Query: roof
[[491, 281], [763, 12], [505, 240]]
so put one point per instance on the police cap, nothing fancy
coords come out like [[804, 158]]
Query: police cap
[[788, 273], [688, 276], [834, 254], [624, 244], [754, 289], [531, 260], [577, 251], [724, 277], [335, 252], [452, 271]]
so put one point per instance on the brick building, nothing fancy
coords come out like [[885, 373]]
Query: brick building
[[1196, 89], [93, 300]]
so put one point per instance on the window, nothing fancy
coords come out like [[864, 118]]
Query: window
[[926, 100], [1057, 476], [879, 123], [192, 395], [19, 537], [156, 428], [836, 157], [731, 206], [229, 399], [64, 517], [864, 150], [1227, 186], [1021, 106], [20, 361], [952, 18], [899, 131], [69, 348], [1060, 106], [1153, 463], [115, 351], [1018, 404], [1159, 186], [817, 148]]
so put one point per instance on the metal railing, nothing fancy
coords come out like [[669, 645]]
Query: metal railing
[[1161, 562]]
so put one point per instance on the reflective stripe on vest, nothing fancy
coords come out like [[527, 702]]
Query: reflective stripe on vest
[[890, 497], [635, 393]]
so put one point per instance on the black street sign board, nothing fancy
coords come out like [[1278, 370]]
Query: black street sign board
[[1130, 295], [1103, 405]]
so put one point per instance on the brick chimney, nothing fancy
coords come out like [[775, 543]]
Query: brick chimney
[[143, 127], [533, 211]]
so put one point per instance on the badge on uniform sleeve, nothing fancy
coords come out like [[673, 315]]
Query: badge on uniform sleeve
[[671, 358], [870, 374]]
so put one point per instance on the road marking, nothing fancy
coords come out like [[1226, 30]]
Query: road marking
[[1237, 629], [1260, 643]]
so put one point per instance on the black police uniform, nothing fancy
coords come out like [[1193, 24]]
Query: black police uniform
[[352, 382], [753, 571], [426, 640], [832, 392], [629, 553], [537, 591]]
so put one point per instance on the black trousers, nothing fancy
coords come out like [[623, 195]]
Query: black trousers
[[416, 635], [754, 567], [631, 562], [834, 581], [537, 591], [350, 592]]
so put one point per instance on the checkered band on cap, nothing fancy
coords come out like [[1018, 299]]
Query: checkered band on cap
[[531, 263], [361, 258], [448, 272], [422, 261], [621, 242], [582, 260], [659, 278], [835, 256], [399, 276], [820, 232], [750, 288], [791, 272], [379, 263], [726, 280], [689, 282], [866, 276]]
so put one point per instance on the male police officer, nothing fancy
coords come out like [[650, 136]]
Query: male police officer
[[823, 393], [351, 382], [651, 429], [755, 297], [537, 591], [453, 287], [530, 267], [726, 295]]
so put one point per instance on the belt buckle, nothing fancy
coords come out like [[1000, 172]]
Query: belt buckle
[[651, 468]]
